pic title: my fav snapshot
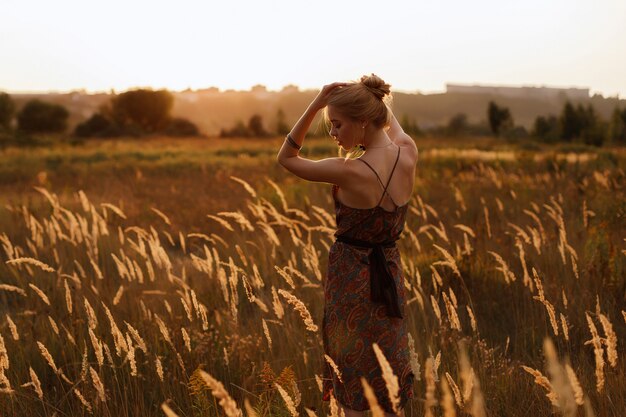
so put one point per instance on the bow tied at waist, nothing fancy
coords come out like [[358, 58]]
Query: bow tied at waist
[[382, 285]]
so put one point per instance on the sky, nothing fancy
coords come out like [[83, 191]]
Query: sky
[[416, 46]]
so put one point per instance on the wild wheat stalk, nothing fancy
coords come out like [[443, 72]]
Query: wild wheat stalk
[[455, 390], [436, 309], [68, 297], [40, 293], [300, 308], [47, 356], [82, 400], [610, 340], [559, 382], [450, 262], [391, 380], [430, 388], [453, 317], [97, 383], [375, 408], [334, 366], [246, 186], [564, 326], [278, 307], [12, 288], [159, 368], [472, 319], [573, 379], [288, 401], [13, 328], [447, 400], [267, 334], [35, 382], [542, 381], [31, 261], [219, 392], [4, 355], [598, 353], [415, 365], [138, 339]]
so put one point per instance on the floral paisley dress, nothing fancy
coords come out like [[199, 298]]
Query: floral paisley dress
[[352, 321]]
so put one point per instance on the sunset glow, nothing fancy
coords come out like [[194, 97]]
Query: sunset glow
[[415, 45]]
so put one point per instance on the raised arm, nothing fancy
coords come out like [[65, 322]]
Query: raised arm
[[397, 134], [330, 170]]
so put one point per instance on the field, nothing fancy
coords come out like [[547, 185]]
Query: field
[[185, 277]]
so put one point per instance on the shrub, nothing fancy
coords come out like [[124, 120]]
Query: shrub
[[41, 117], [145, 109], [7, 111], [96, 125], [181, 127]]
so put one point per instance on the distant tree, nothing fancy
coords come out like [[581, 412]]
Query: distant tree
[[617, 127], [582, 123], [239, 130], [282, 128], [457, 125], [547, 129], [515, 132], [7, 111], [571, 125], [41, 117], [96, 125], [181, 127], [147, 109], [499, 118], [594, 129], [255, 126]]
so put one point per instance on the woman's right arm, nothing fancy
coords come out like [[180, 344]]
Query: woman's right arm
[[330, 170], [299, 130]]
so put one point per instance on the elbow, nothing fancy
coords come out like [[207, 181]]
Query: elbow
[[284, 160], [280, 159]]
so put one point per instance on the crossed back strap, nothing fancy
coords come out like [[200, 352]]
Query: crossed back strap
[[388, 181]]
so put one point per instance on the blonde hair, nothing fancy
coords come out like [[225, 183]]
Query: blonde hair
[[365, 100]]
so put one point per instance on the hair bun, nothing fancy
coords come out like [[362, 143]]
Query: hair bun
[[376, 85]]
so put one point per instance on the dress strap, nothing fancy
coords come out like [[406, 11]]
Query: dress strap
[[380, 181], [373, 170], [389, 180]]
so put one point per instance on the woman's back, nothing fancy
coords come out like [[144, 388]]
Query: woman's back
[[379, 180]]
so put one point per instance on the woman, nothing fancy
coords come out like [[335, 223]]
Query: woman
[[364, 289]]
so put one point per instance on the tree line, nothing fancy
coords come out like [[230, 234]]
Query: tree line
[[575, 124], [144, 111], [132, 113]]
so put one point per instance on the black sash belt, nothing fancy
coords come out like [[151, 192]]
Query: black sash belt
[[382, 285]]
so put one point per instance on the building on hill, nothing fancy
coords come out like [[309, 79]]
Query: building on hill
[[521, 92]]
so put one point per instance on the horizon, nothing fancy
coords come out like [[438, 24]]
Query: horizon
[[303, 89]]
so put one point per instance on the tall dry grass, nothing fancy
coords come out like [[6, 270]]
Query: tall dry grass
[[126, 307]]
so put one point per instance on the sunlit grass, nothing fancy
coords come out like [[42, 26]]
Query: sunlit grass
[[146, 292]]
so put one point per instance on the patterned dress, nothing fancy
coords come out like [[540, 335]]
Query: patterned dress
[[352, 322]]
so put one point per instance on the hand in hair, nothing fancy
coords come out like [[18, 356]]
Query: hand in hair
[[322, 97]]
